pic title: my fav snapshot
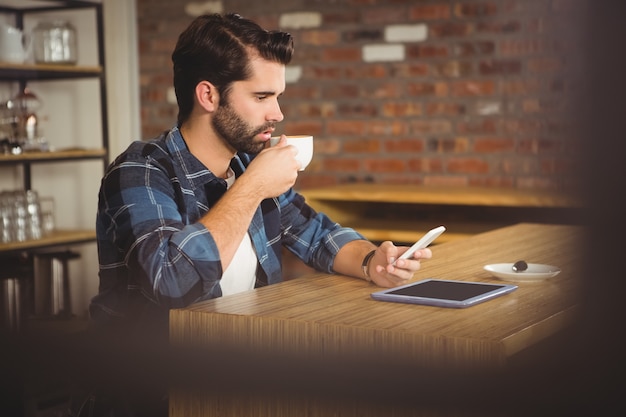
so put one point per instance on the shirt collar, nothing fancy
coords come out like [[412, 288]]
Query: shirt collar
[[197, 174], [195, 171]]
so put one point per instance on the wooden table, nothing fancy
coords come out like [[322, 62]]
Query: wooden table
[[331, 316]]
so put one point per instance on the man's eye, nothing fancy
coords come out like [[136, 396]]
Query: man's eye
[[261, 98]]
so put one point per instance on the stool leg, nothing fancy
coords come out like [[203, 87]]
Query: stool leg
[[12, 303], [66, 312]]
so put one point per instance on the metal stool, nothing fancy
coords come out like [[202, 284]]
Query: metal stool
[[52, 284], [14, 288]]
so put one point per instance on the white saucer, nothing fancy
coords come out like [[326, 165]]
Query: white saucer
[[535, 272]]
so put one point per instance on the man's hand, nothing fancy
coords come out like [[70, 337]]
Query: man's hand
[[383, 274], [274, 170]]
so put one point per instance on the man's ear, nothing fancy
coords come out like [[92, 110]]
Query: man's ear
[[207, 96]]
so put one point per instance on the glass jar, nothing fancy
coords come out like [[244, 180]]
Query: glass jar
[[54, 42]]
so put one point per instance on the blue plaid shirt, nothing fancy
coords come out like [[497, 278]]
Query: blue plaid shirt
[[153, 253]]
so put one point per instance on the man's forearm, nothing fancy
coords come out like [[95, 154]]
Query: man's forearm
[[229, 219]]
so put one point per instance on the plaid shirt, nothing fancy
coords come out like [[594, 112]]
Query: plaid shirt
[[154, 254]]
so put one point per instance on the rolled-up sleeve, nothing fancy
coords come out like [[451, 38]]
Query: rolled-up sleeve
[[311, 235]]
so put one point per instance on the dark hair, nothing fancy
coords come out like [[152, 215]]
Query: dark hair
[[215, 48]]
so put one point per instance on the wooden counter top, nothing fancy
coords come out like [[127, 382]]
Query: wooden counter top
[[330, 315]]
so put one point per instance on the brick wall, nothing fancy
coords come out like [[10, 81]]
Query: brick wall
[[450, 92]]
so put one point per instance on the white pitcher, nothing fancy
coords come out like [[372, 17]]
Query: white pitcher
[[12, 44]]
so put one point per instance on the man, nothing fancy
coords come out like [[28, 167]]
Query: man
[[203, 210]]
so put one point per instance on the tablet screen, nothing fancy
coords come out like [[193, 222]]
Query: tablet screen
[[444, 293], [448, 290]]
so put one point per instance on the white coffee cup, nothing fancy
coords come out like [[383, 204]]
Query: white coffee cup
[[303, 143]]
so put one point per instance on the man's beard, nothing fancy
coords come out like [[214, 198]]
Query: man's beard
[[236, 132]]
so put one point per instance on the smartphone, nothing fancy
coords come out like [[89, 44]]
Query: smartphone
[[426, 240]]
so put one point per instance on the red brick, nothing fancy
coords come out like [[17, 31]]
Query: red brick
[[319, 37], [475, 48], [410, 70], [445, 109], [523, 86], [426, 51], [510, 26], [361, 146], [341, 54], [385, 165], [467, 166], [491, 145], [380, 15], [341, 91], [430, 12], [401, 109], [477, 126], [431, 126], [521, 126], [385, 91], [503, 67], [342, 164], [387, 128], [307, 54], [307, 181], [323, 73], [428, 165], [367, 71], [450, 29], [473, 88], [363, 35], [342, 17], [456, 145], [310, 110], [409, 145], [475, 9], [357, 109], [268, 21], [301, 91], [346, 127], [325, 146], [427, 89], [302, 127], [455, 69], [162, 45]]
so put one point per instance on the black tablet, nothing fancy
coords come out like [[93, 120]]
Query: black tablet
[[444, 293]]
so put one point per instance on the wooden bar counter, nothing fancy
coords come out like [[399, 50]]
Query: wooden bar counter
[[332, 316], [402, 213]]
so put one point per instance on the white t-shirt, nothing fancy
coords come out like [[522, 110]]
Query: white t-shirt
[[241, 272]]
